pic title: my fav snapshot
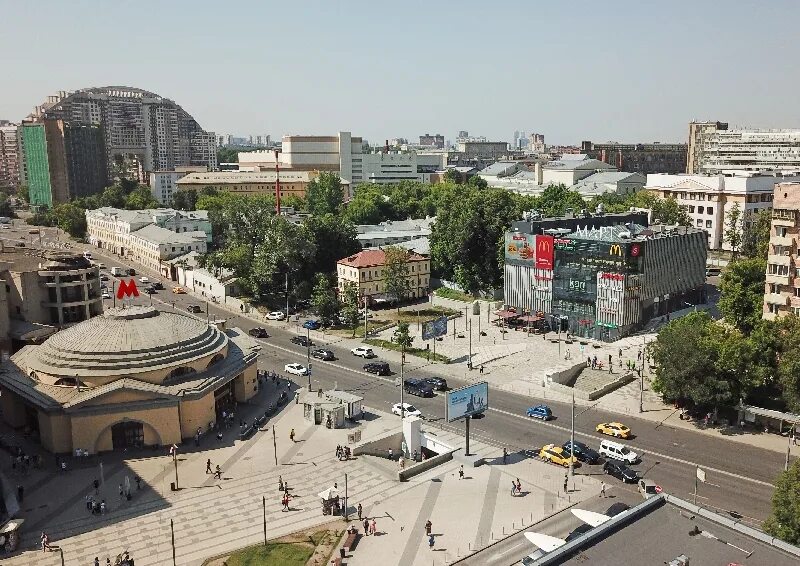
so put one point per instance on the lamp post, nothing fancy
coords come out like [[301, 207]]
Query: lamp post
[[572, 440], [402, 382], [308, 356], [172, 530], [175, 461]]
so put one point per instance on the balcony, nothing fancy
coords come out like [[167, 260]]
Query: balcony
[[784, 214], [779, 259], [794, 301], [786, 241], [778, 279], [776, 299]]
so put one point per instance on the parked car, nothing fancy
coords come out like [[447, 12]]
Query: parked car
[[617, 451], [302, 341], [194, 308], [363, 351], [435, 383], [312, 324], [149, 290], [104, 277], [144, 280], [179, 290], [556, 455], [407, 408], [540, 412], [258, 332], [105, 295], [158, 285], [648, 488], [582, 452], [378, 368], [101, 265], [276, 315], [417, 387], [131, 272], [620, 471], [296, 369], [618, 430], [323, 354]]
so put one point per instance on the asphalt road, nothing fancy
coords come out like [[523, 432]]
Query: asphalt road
[[739, 476]]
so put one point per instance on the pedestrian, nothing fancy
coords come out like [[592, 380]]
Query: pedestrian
[[620, 353], [402, 462], [513, 488], [428, 527], [45, 540], [566, 479], [359, 509], [602, 489], [96, 484], [589, 362], [138, 481], [285, 502], [218, 473], [481, 371], [291, 435], [416, 456], [103, 507], [20, 493], [219, 436], [461, 472], [89, 499], [208, 466], [639, 355], [108, 561], [63, 466], [296, 397], [121, 492], [391, 454], [431, 542], [197, 439], [96, 561], [505, 455], [366, 527], [794, 438], [519, 487], [373, 526]]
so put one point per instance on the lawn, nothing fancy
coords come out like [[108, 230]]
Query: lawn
[[347, 331], [448, 293], [419, 352], [288, 551], [427, 314]]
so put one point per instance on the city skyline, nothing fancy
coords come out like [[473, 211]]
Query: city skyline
[[573, 74]]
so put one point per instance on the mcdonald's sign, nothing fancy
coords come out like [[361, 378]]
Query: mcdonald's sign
[[615, 249], [544, 252], [126, 289]]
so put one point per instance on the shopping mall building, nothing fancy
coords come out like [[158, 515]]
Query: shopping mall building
[[602, 276]]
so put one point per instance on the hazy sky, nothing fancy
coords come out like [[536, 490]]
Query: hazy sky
[[615, 70]]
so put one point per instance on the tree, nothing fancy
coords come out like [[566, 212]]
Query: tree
[[70, 218], [733, 229], [112, 196], [742, 293], [324, 299], [324, 194], [556, 199], [395, 273], [665, 210], [478, 182], [350, 305], [784, 522], [333, 238], [401, 335], [141, 198], [451, 176], [5, 206], [755, 236], [185, 199], [23, 193], [786, 332], [368, 206]]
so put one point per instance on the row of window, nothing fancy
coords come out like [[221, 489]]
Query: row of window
[[776, 309], [709, 209], [700, 223], [776, 289]]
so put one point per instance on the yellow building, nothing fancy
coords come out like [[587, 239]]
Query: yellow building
[[129, 378], [252, 182], [366, 270]]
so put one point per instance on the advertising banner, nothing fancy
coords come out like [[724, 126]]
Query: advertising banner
[[434, 328], [544, 252], [520, 248], [467, 401]]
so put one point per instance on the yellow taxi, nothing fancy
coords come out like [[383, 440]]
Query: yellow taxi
[[179, 290], [556, 455], [617, 430]]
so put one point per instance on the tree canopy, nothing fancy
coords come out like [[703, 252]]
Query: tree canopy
[[395, 276], [324, 299], [742, 293], [324, 194], [784, 522]]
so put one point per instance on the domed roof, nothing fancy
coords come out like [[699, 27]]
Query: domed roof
[[127, 341]]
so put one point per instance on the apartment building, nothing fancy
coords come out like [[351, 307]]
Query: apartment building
[[481, 149], [152, 245], [366, 270], [250, 183], [694, 151], [163, 184], [9, 155], [782, 287], [709, 198], [435, 140]]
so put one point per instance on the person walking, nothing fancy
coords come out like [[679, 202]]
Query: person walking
[[121, 492], [566, 479], [513, 488], [366, 527], [481, 370], [291, 435], [505, 455], [620, 353], [297, 397], [103, 507], [461, 472], [218, 473], [45, 540], [208, 466], [428, 527], [285, 502], [96, 561], [519, 487], [602, 489], [391, 454], [431, 542], [138, 481], [373, 526], [359, 509]]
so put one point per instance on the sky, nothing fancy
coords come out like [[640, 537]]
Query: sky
[[601, 71]]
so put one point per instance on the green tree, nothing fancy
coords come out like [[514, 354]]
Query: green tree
[[324, 194], [112, 196], [478, 182], [395, 274], [755, 236], [556, 199], [665, 210], [401, 335], [350, 305], [141, 198], [786, 331], [733, 229], [5, 206], [324, 299], [368, 206], [185, 200], [784, 522], [23, 193], [333, 238], [70, 218], [742, 293], [451, 176]]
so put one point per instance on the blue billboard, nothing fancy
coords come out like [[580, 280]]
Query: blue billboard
[[434, 328], [467, 401]]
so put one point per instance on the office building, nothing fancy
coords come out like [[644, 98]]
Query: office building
[[436, 140], [366, 270], [640, 157], [163, 184], [142, 131], [694, 151], [709, 198], [9, 155], [781, 291]]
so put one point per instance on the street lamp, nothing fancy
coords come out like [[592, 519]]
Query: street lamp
[[308, 356], [175, 461]]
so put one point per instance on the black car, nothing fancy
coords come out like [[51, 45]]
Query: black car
[[158, 285], [149, 290], [378, 368], [103, 277], [258, 332], [323, 354], [302, 341], [194, 309], [435, 383], [620, 471], [582, 452], [131, 271], [417, 387]]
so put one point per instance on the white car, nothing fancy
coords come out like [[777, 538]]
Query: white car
[[276, 315], [105, 295], [296, 369], [144, 280], [409, 409], [363, 352]]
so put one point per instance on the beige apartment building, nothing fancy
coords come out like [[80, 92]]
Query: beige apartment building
[[250, 183], [782, 287], [366, 269]]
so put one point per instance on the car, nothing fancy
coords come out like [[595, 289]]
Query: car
[[101, 265], [648, 488], [312, 324], [179, 290], [105, 295], [620, 471], [378, 368], [276, 315], [615, 429], [149, 290], [617, 451], [144, 280], [302, 341], [194, 308], [20, 244], [296, 369], [131, 272], [540, 412], [417, 387], [435, 383], [104, 277], [33, 231], [103, 286], [158, 285], [301, 305], [258, 332], [713, 271], [363, 351], [556, 455], [582, 452], [322, 354], [407, 408]]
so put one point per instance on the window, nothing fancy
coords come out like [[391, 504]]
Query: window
[[773, 309], [797, 291], [699, 210], [774, 288], [796, 311], [699, 223], [708, 223], [780, 231], [691, 208], [775, 269], [710, 210]]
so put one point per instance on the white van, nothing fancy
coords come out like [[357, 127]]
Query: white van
[[617, 451], [87, 255]]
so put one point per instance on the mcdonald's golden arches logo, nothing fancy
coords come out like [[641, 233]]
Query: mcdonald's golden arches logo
[[544, 245], [615, 249]]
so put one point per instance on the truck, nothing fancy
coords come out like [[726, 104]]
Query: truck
[[117, 271]]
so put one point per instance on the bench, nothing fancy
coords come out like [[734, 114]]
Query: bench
[[350, 541]]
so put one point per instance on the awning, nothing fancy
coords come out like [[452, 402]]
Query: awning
[[329, 493], [506, 314], [530, 318], [778, 415]]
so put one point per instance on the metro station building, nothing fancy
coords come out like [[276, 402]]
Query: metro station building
[[129, 378]]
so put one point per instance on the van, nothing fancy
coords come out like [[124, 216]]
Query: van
[[617, 451], [117, 271], [87, 255]]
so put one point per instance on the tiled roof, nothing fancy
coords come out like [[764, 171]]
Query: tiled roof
[[369, 258]]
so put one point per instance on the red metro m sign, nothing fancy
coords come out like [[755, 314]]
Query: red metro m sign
[[126, 289]]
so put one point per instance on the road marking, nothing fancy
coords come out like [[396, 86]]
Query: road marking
[[643, 451]]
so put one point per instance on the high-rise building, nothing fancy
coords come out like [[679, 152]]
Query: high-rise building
[[142, 131], [697, 131], [9, 155]]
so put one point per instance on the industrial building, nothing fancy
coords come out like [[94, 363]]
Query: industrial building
[[602, 276]]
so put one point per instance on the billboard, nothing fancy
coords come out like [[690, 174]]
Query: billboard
[[519, 248], [467, 401], [434, 328], [544, 252]]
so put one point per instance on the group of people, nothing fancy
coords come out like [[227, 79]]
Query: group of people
[[123, 559], [516, 488], [217, 471], [342, 452], [22, 462], [286, 498]]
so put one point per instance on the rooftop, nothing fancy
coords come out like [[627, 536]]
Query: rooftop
[[420, 246], [38, 260], [372, 258], [159, 235], [148, 215], [234, 177], [578, 164]]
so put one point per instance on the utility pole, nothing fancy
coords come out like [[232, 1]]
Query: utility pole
[[287, 285], [308, 356], [175, 461], [172, 529], [470, 345], [264, 506], [572, 439], [402, 382], [275, 445], [345, 497], [366, 315]]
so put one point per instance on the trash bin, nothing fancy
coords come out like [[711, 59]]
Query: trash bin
[[341, 552], [172, 486]]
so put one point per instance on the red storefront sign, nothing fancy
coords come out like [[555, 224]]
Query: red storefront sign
[[544, 252], [612, 276]]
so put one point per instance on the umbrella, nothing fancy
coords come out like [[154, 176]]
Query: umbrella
[[329, 493]]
